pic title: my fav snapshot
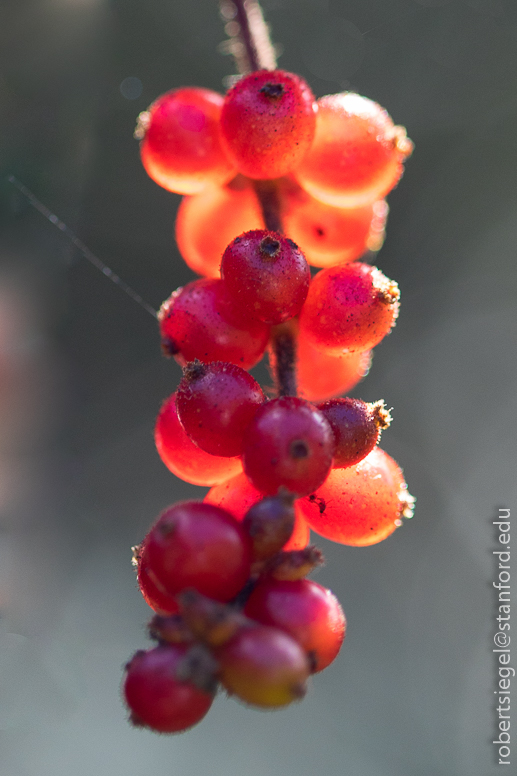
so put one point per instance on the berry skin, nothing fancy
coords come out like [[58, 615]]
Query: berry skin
[[288, 444], [308, 612], [207, 222], [268, 122], [329, 235], [263, 666], [153, 593], [216, 403], [349, 308], [270, 524], [322, 376], [185, 459], [156, 698], [266, 275], [181, 146], [357, 428], [357, 154], [238, 495], [200, 546], [361, 505], [200, 321]]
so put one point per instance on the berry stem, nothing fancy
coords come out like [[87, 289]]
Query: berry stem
[[254, 35], [283, 345], [267, 195]]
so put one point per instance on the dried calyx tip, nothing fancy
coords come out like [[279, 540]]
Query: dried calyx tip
[[381, 414], [269, 247], [273, 90], [194, 370]]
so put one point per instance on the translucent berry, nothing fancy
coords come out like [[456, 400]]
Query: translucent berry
[[288, 444], [322, 375], [270, 524], [349, 308], [263, 666], [238, 495], [156, 697], [356, 425], [207, 222], [184, 458], [200, 546], [308, 612], [200, 321], [266, 275], [357, 154], [329, 235], [268, 122], [216, 403], [360, 505], [180, 137], [152, 591]]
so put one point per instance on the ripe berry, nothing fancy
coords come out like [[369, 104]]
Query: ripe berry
[[184, 458], [288, 444], [268, 122], [216, 403], [238, 495], [308, 612], [159, 700], [181, 141], [356, 426], [357, 154], [322, 375], [361, 505], [207, 222], [200, 321], [152, 591], [270, 524], [200, 546], [266, 275], [349, 308], [263, 666]]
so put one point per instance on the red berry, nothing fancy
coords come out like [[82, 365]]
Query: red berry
[[200, 321], [216, 403], [238, 495], [266, 275], [154, 594], [357, 154], [361, 505], [157, 698], [349, 308], [263, 666], [356, 426], [200, 546], [181, 141], [207, 222], [288, 444], [268, 122], [308, 612], [270, 524], [185, 459], [322, 375]]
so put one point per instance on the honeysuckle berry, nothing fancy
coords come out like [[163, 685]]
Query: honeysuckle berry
[[268, 122], [152, 591], [356, 426], [323, 375], [270, 524]]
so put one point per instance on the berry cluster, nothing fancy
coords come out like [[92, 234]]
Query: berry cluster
[[227, 577]]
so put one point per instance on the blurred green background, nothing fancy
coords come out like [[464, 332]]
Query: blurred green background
[[82, 378]]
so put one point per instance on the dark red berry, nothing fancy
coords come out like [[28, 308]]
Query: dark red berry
[[270, 525], [357, 427], [153, 592]]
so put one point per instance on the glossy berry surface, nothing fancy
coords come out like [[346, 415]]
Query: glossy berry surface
[[201, 321], [200, 546], [268, 122], [181, 147], [360, 505], [308, 612], [156, 698], [349, 308], [184, 458], [216, 403], [288, 444], [238, 495], [263, 666], [357, 154], [330, 235], [206, 223], [266, 275], [356, 426], [270, 524], [322, 375], [153, 593]]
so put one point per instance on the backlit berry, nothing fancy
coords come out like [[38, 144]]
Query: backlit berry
[[156, 697], [322, 375], [357, 154], [216, 403], [356, 426], [181, 141], [308, 612], [268, 122], [288, 444], [266, 275], [349, 308]]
